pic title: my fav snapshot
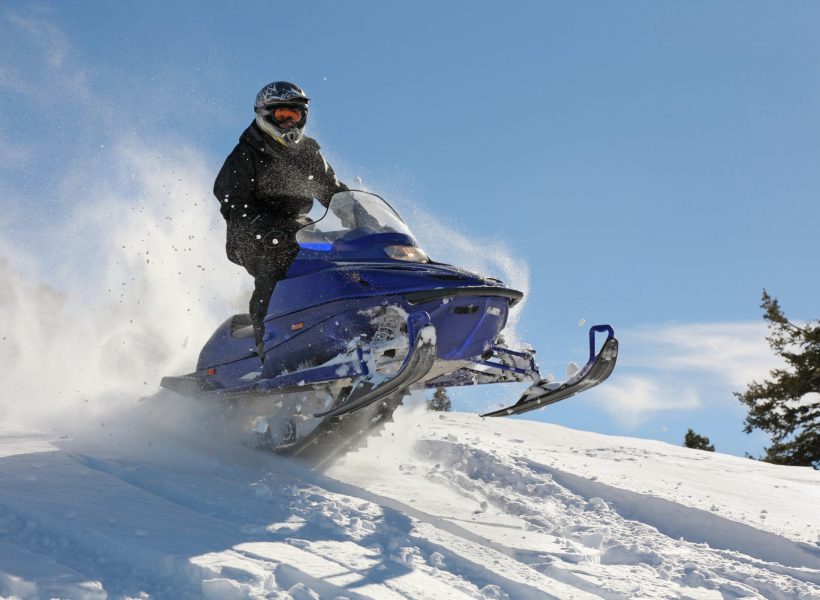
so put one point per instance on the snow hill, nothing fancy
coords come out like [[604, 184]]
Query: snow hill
[[439, 506]]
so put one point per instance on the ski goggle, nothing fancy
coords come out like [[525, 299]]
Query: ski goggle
[[286, 116]]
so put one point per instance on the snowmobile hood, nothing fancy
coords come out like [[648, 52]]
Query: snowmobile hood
[[345, 253], [317, 281]]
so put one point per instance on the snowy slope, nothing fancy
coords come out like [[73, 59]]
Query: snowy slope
[[440, 506]]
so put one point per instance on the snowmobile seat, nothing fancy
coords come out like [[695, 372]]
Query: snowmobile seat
[[241, 326]]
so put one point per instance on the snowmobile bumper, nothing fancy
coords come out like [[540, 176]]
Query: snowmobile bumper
[[419, 297]]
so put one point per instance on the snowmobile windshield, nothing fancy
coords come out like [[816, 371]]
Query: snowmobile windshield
[[349, 216]]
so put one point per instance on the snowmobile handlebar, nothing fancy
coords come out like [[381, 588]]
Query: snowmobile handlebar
[[610, 333]]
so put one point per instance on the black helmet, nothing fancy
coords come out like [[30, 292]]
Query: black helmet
[[281, 111]]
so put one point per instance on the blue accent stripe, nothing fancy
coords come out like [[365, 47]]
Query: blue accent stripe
[[318, 246]]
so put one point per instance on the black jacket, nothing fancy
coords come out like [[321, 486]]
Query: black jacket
[[263, 186]]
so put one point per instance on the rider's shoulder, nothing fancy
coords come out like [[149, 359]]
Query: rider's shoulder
[[309, 144]]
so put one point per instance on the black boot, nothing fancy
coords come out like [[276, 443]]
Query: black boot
[[265, 276], [258, 309], [259, 335]]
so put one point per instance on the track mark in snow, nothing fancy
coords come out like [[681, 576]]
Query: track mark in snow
[[411, 540], [480, 518], [691, 524], [25, 574], [609, 545]]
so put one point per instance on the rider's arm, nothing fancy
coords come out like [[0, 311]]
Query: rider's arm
[[327, 178], [235, 188]]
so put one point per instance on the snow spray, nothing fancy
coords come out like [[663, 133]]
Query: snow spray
[[141, 282]]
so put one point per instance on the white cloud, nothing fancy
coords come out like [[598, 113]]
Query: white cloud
[[136, 307], [130, 283], [632, 399], [41, 64], [45, 35], [806, 400], [734, 353], [680, 367]]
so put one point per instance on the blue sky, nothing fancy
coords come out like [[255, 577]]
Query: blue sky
[[652, 165]]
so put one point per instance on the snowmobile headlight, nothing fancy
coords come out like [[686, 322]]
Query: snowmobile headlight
[[408, 253]]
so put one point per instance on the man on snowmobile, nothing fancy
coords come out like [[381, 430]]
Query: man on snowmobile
[[266, 183]]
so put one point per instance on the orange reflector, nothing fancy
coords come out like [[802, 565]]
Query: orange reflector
[[211, 371], [296, 326]]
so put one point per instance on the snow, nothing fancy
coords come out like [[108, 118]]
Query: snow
[[441, 505]]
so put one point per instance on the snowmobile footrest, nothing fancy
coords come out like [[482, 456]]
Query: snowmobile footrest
[[187, 385]]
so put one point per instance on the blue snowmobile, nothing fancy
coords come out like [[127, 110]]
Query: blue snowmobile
[[363, 317]]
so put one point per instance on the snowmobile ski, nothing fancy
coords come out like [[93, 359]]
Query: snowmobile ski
[[543, 393]]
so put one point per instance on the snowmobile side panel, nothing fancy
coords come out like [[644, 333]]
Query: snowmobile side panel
[[300, 381], [466, 326]]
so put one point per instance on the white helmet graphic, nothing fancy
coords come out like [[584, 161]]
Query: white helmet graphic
[[281, 111]]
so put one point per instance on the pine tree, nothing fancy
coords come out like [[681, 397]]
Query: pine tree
[[787, 405], [440, 401], [698, 442]]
